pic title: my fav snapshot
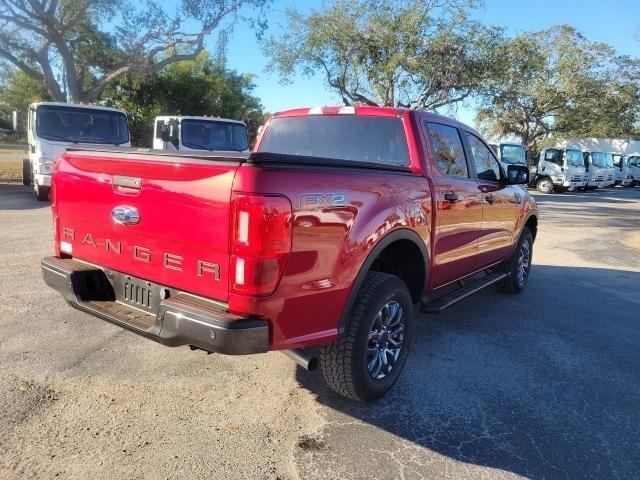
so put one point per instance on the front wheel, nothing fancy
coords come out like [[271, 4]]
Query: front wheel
[[42, 193], [544, 185], [519, 265], [26, 171], [366, 360]]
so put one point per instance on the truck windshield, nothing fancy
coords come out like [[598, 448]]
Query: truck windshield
[[574, 158], [598, 159], [353, 138], [512, 154], [608, 158], [81, 124], [214, 135]]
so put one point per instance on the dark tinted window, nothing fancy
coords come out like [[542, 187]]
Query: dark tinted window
[[212, 135], [487, 167], [81, 125], [159, 127], [342, 137], [448, 150], [554, 155]]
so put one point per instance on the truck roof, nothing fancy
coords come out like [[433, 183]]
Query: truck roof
[[195, 117], [366, 110], [75, 105]]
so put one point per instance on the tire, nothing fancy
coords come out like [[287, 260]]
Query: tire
[[517, 280], [544, 185], [26, 171], [42, 193], [349, 365]]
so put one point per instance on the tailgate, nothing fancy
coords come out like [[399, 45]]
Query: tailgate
[[181, 239]]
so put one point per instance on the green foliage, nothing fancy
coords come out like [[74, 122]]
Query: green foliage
[[17, 92], [199, 87], [95, 42], [421, 53], [554, 82]]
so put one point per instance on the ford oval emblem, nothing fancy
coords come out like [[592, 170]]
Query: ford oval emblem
[[125, 215]]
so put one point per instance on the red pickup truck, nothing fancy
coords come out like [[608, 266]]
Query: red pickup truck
[[340, 224]]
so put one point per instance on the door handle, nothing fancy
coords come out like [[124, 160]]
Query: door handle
[[489, 199], [451, 197]]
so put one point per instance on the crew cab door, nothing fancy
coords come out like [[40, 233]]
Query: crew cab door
[[458, 200], [499, 204]]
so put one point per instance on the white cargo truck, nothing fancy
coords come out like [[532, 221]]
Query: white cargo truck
[[54, 126], [510, 153], [633, 168], [595, 164], [188, 133], [559, 169]]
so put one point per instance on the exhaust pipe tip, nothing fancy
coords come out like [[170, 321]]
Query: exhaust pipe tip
[[303, 357]]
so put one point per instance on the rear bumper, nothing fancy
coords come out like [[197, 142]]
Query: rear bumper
[[181, 319]]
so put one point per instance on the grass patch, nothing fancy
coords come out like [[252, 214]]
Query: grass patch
[[10, 170]]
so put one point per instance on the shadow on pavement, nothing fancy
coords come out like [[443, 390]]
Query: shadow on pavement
[[544, 384], [15, 196]]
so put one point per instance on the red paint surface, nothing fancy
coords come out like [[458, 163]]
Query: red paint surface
[[185, 212]]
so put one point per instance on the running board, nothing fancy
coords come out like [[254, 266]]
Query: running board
[[439, 304]]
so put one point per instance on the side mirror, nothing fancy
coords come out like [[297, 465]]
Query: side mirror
[[517, 175]]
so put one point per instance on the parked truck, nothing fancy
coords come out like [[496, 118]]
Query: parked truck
[[622, 172], [322, 243], [510, 153], [189, 133], [633, 166], [53, 126], [559, 169], [595, 164], [610, 178]]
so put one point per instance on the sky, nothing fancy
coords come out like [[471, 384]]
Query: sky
[[614, 21]]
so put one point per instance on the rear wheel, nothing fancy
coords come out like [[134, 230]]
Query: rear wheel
[[544, 185], [26, 171], [519, 265], [366, 360], [42, 193]]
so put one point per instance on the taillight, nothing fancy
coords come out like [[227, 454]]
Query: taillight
[[260, 242]]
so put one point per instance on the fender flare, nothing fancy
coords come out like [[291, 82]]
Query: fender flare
[[395, 235]]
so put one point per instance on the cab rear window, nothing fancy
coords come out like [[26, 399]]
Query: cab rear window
[[354, 138]]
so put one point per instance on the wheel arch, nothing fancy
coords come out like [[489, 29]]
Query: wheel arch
[[389, 245]]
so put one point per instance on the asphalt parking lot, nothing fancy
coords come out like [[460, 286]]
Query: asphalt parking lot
[[545, 384]]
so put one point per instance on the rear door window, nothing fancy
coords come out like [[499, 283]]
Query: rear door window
[[487, 167], [448, 150]]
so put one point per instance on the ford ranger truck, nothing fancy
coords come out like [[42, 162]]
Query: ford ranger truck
[[341, 224]]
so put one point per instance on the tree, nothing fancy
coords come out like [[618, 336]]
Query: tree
[[554, 82], [17, 92], [92, 43], [420, 53], [198, 87]]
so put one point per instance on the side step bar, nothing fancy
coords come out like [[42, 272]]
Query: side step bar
[[439, 304]]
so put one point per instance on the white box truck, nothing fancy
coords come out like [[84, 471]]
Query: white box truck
[[189, 133], [54, 126]]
